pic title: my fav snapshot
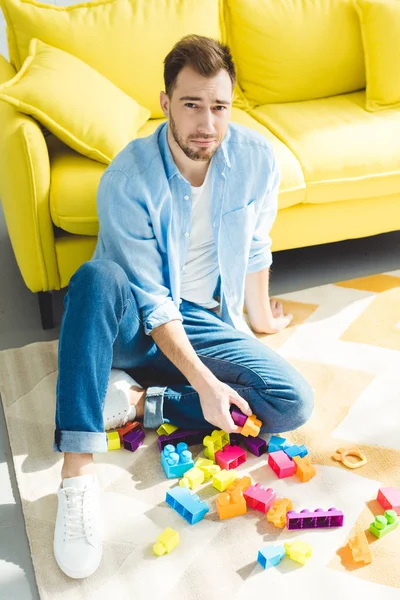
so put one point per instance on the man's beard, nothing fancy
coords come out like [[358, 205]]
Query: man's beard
[[204, 154]]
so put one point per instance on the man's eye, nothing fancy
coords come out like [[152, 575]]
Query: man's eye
[[223, 107], [190, 104]]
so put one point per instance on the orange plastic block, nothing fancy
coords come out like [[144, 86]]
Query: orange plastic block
[[360, 549], [277, 513], [251, 427], [304, 469], [232, 503], [127, 428]]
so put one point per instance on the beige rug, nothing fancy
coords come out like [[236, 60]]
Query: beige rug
[[346, 340]]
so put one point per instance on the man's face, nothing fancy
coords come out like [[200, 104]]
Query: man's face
[[199, 112]]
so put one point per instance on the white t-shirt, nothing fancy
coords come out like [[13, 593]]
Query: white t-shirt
[[200, 272]]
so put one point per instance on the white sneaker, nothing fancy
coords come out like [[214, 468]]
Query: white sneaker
[[77, 536], [117, 409]]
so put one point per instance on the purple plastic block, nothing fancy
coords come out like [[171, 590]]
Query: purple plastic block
[[255, 445], [319, 519], [236, 439], [190, 437], [238, 417], [133, 439]]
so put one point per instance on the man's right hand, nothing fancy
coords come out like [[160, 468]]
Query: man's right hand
[[216, 399]]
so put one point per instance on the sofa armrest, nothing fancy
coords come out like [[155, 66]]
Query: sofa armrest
[[24, 193]]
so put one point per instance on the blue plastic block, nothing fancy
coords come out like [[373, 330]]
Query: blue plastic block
[[188, 505], [277, 443], [296, 451], [270, 556], [176, 461]]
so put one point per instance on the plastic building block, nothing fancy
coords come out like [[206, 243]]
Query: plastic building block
[[318, 519], [259, 498], [255, 445], [166, 429], [236, 439], [298, 550], [389, 498], [281, 464], [132, 426], [277, 443], [113, 441], [188, 436], [232, 503], [188, 505], [238, 417], [192, 478], [360, 549], [342, 454], [166, 542], [384, 524], [277, 513], [304, 469], [230, 457], [214, 442], [208, 467], [296, 451], [176, 461], [252, 426], [133, 439], [270, 556], [223, 479]]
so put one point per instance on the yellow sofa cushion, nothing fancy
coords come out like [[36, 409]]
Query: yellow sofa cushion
[[124, 40], [380, 27], [295, 50], [74, 178], [80, 106], [346, 152]]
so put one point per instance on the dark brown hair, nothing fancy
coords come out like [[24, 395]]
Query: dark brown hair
[[203, 54]]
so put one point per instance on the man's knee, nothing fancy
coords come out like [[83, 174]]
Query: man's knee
[[99, 274]]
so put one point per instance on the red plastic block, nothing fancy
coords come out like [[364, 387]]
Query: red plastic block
[[281, 464], [230, 457], [258, 497], [389, 498]]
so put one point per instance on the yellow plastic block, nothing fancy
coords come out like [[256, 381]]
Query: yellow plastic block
[[216, 441], [208, 467], [166, 429], [298, 551], [166, 542], [113, 440], [251, 427], [277, 513], [192, 478], [359, 547], [223, 479]]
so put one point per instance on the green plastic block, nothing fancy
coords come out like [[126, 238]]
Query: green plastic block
[[384, 524]]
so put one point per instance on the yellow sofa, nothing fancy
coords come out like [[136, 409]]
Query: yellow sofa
[[301, 83]]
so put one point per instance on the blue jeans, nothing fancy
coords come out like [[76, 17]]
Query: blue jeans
[[101, 329]]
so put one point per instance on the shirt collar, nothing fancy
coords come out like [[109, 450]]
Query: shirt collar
[[221, 155]]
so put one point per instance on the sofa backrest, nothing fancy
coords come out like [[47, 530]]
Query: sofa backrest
[[124, 40], [292, 50]]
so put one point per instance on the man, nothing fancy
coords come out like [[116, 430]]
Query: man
[[185, 216]]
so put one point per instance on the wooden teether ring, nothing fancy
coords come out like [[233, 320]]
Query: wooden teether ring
[[342, 454]]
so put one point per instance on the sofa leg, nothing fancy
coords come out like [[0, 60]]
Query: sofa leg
[[46, 309]]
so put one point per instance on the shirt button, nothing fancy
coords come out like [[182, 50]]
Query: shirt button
[[186, 197], [186, 234]]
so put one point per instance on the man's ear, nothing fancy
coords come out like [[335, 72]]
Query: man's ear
[[164, 103]]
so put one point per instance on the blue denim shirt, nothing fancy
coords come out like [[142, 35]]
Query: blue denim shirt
[[144, 210]]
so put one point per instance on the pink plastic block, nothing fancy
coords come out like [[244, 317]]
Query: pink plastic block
[[389, 498], [281, 464], [319, 519], [230, 457], [258, 497]]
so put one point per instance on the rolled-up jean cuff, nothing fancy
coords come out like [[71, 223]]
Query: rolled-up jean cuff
[[85, 442], [153, 407]]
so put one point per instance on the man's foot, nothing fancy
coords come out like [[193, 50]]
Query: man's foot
[[124, 400], [77, 541]]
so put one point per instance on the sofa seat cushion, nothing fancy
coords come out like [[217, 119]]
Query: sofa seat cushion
[[346, 152], [75, 178]]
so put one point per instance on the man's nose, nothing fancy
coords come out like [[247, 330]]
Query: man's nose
[[206, 125]]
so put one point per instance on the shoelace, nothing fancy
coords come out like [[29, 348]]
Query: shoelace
[[76, 500]]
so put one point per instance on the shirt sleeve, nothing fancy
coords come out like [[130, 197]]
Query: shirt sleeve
[[126, 237], [260, 256]]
